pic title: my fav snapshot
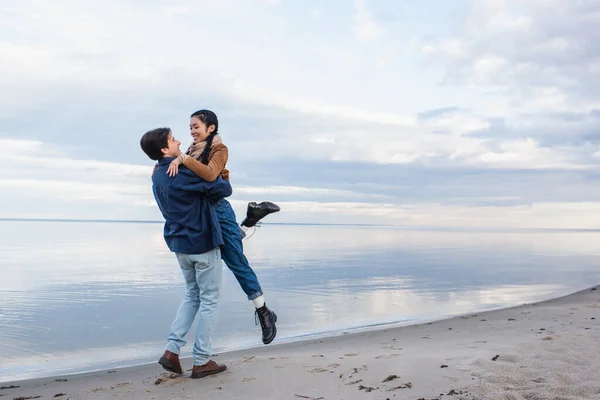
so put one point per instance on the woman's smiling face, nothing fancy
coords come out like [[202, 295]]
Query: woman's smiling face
[[199, 130]]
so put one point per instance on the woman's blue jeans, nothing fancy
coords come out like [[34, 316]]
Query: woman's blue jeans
[[233, 251]]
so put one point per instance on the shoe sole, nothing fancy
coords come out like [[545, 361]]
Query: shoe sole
[[169, 366], [250, 222], [207, 373], [272, 207], [274, 330], [267, 206]]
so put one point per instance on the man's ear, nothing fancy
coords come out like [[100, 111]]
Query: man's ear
[[164, 151]]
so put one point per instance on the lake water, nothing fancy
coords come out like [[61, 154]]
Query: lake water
[[80, 296]]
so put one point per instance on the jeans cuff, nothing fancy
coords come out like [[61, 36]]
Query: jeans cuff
[[172, 347], [255, 295], [201, 361]]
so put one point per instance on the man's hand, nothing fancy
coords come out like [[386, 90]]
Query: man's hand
[[174, 167]]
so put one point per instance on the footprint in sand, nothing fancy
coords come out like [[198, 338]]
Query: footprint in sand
[[391, 348], [385, 356], [174, 381], [350, 355], [118, 385], [354, 382], [510, 359], [293, 365], [357, 370]]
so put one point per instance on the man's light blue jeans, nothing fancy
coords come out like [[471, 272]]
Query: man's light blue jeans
[[202, 274]]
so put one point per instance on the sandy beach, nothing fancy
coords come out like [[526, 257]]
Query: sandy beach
[[546, 350]]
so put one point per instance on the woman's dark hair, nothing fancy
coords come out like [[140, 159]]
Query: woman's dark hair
[[209, 118], [153, 141]]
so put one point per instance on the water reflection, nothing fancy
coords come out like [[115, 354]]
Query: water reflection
[[90, 295]]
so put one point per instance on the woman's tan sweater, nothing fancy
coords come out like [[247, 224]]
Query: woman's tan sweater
[[219, 155]]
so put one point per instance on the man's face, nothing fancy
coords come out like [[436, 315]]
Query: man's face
[[172, 149]]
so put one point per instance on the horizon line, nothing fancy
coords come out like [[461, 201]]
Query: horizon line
[[475, 228]]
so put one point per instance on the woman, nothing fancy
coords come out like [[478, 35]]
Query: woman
[[207, 157]]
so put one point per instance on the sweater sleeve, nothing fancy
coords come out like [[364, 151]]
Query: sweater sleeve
[[216, 163]]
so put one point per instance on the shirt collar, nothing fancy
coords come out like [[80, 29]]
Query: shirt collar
[[165, 161]]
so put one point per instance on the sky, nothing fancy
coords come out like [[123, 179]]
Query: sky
[[466, 113]]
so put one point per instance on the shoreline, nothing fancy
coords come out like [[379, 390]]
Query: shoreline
[[144, 360], [446, 356]]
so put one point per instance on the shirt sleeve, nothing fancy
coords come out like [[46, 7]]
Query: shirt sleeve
[[191, 183]]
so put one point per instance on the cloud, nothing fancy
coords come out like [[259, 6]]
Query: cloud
[[365, 27], [117, 190], [297, 193], [429, 114], [403, 138], [73, 191], [539, 215], [47, 172], [543, 46], [367, 113], [535, 62], [11, 146]]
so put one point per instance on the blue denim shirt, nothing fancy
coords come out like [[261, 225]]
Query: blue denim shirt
[[191, 223]]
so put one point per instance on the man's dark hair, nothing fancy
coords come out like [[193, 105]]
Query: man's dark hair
[[153, 141]]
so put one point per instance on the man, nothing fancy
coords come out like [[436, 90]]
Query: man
[[193, 233]]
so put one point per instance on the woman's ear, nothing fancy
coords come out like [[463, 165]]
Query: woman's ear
[[211, 128]]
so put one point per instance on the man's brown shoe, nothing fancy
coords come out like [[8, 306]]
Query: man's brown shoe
[[211, 367], [170, 362]]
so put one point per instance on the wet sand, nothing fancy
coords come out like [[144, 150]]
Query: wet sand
[[544, 350]]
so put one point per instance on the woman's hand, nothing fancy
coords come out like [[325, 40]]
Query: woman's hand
[[174, 167]]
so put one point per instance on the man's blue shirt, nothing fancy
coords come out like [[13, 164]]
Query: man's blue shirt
[[191, 224]]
